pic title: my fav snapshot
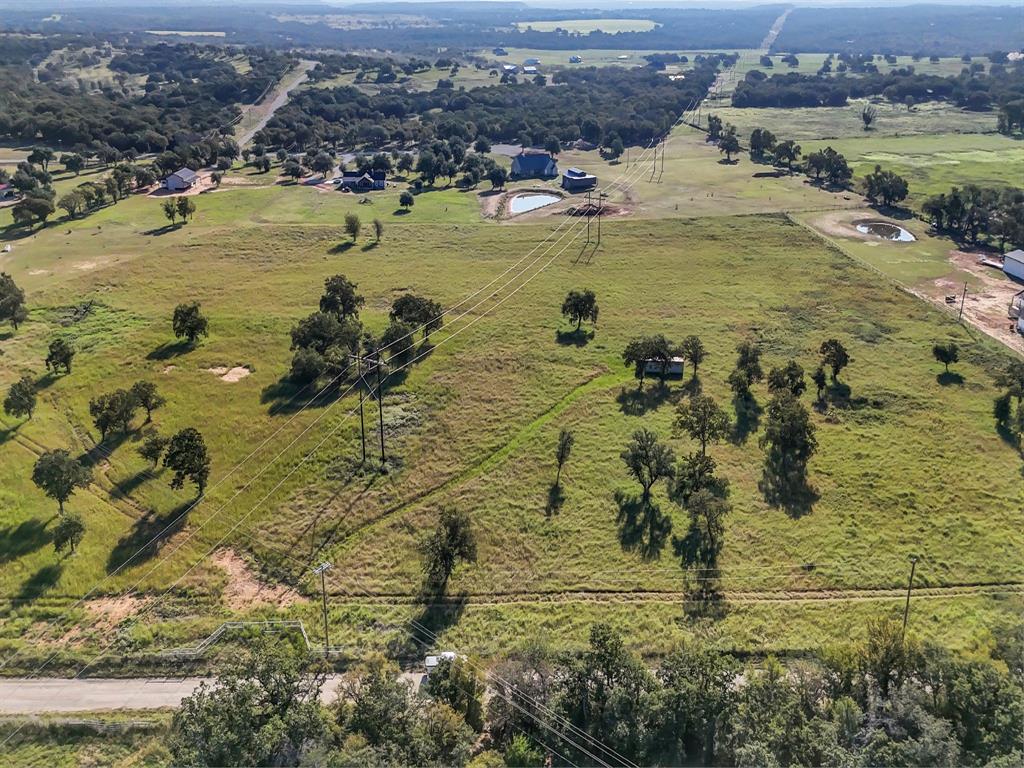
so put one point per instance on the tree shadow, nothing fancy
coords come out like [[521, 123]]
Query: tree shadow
[[401, 212], [8, 432], [342, 247], [102, 450], [283, 397], [692, 386], [724, 161], [5, 335], [439, 612], [170, 349], [37, 584], [165, 229], [19, 540], [124, 488], [147, 537], [370, 246], [748, 419], [791, 493], [643, 528], [636, 402], [949, 378], [575, 337], [556, 498], [46, 381]]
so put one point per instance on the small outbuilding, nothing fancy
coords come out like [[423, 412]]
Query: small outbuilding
[[7, 192], [181, 180], [674, 368], [1013, 264], [531, 62], [510, 69], [575, 59], [575, 180], [363, 180], [530, 69], [533, 163], [430, 662], [499, 51]]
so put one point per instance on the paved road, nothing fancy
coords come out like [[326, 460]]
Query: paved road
[[22, 696]]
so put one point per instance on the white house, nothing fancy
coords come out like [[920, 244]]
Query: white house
[[180, 180], [1013, 264]]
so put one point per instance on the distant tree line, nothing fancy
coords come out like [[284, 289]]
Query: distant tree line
[[634, 105], [177, 108], [969, 90]]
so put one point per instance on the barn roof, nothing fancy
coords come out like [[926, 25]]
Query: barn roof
[[186, 174], [533, 161]]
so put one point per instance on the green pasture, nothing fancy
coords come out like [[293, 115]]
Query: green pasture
[[474, 423], [806, 123], [934, 163]]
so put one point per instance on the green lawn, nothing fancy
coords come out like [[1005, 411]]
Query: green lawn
[[474, 423]]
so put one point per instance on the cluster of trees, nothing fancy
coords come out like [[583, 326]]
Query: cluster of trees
[[328, 341], [634, 105], [885, 187], [884, 700], [972, 213], [765, 146], [659, 350], [190, 91], [971, 89]]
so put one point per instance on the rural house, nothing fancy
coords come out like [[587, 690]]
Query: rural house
[[575, 180], [7, 192], [531, 163], [1013, 264], [180, 180], [363, 180]]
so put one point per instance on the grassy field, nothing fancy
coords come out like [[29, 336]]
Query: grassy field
[[586, 26], [933, 164], [474, 423], [845, 122]]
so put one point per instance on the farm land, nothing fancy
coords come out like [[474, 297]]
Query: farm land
[[909, 461]]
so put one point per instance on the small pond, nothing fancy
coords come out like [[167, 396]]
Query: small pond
[[885, 231], [531, 202]]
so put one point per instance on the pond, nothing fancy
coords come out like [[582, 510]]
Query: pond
[[531, 202], [885, 231]]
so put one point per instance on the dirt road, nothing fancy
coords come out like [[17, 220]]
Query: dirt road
[[259, 115], [20, 696]]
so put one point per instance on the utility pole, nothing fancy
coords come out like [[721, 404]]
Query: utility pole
[[662, 160], [362, 423], [910, 585], [962, 300], [589, 208], [627, 157], [322, 570], [380, 412], [600, 209]]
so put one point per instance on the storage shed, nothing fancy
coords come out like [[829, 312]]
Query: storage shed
[[1013, 264]]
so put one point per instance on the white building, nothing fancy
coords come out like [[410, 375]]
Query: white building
[[180, 180], [430, 663], [675, 367], [1013, 264]]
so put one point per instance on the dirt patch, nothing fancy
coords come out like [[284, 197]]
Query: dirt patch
[[111, 611], [169, 368], [230, 375], [85, 265], [844, 224], [987, 304], [38, 272], [245, 588]]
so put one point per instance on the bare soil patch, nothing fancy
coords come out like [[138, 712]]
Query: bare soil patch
[[230, 375], [986, 307], [245, 588]]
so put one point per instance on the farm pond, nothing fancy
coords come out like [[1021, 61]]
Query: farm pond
[[531, 202], [885, 230]]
